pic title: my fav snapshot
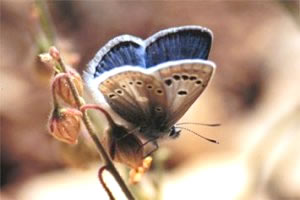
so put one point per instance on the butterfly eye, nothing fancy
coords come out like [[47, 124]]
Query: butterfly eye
[[174, 132]]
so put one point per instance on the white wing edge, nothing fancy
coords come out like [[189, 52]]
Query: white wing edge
[[91, 66], [167, 31]]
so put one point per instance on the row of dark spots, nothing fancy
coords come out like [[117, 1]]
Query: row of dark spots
[[138, 83], [149, 86], [113, 95], [184, 77], [158, 91]]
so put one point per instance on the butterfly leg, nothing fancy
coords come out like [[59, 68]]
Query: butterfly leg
[[153, 141]]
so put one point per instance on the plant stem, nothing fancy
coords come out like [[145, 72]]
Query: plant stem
[[91, 130], [100, 175], [49, 39]]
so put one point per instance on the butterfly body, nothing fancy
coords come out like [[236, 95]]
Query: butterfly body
[[151, 83]]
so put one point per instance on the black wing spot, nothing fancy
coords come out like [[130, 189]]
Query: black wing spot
[[139, 83], [176, 77], [112, 96], [199, 82], [159, 91], [185, 77], [119, 91], [182, 92], [192, 78], [168, 82], [149, 87]]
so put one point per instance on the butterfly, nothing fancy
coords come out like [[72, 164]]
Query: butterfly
[[151, 83]]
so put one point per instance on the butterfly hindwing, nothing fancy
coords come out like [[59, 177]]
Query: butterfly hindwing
[[184, 81], [136, 96]]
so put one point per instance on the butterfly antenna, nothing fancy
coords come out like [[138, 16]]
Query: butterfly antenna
[[201, 124], [208, 139]]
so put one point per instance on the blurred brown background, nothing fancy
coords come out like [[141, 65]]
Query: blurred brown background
[[255, 95]]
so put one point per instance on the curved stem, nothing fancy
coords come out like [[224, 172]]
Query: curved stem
[[91, 130], [96, 107], [100, 176]]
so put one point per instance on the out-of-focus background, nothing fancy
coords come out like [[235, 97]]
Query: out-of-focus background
[[255, 95]]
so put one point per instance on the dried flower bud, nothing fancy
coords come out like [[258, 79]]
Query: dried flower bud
[[64, 124], [47, 59], [54, 53], [62, 89]]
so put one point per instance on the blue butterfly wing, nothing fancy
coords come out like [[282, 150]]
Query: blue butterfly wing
[[160, 52], [187, 42], [120, 51]]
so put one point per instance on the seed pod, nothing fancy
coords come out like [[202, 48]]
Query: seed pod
[[64, 124]]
